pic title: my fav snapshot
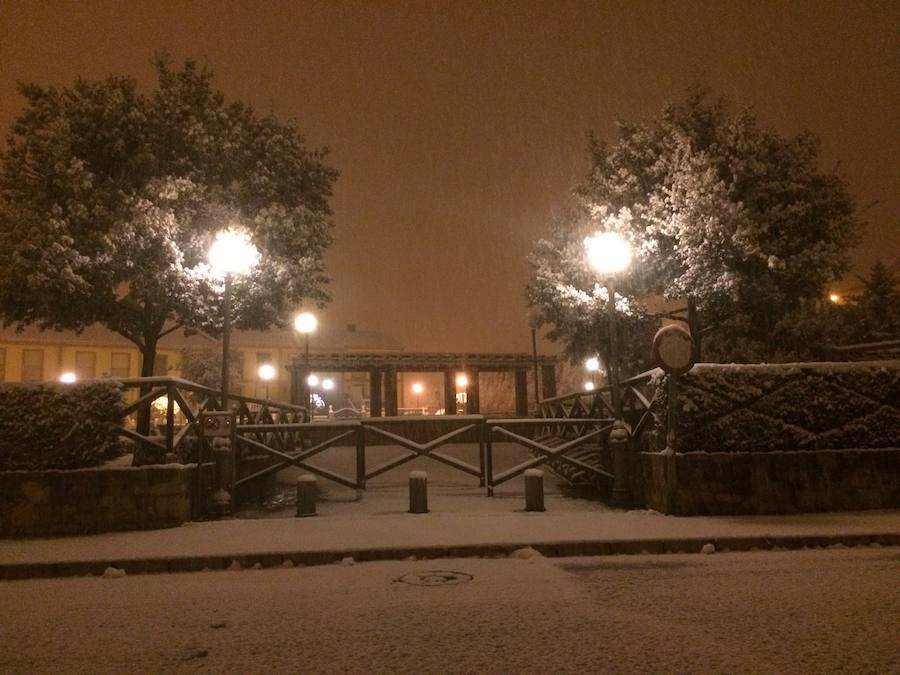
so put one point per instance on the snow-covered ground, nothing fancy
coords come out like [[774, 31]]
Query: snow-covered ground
[[798, 612]]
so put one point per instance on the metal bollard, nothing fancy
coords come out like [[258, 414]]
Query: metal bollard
[[306, 495], [221, 498], [418, 492], [534, 490], [618, 444]]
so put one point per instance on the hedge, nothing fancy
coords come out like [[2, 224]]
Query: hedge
[[56, 426], [800, 406]]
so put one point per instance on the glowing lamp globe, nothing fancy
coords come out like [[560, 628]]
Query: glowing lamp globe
[[232, 253], [589, 386], [462, 381], [67, 378], [327, 384], [417, 388], [608, 253], [312, 380], [267, 372], [592, 364], [305, 323]]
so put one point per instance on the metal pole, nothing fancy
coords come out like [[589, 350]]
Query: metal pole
[[537, 395], [612, 368], [309, 401], [226, 340]]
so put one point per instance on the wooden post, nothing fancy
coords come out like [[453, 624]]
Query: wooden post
[[361, 458], [488, 451], [375, 393], [449, 392], [390, 392], [548, 377], [170, 421], [522, 393], [473, 406]]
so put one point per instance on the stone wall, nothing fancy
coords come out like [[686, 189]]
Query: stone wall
[[82, 501], [731, 483]]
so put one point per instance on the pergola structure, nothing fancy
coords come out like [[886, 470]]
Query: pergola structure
[[383, 368]]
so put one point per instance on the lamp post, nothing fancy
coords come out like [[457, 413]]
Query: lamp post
[[306, 323], [267, 374], [609, 254], [232, 254]]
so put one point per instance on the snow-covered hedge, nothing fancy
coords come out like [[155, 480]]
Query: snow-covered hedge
[[800, 406], [49, 426]]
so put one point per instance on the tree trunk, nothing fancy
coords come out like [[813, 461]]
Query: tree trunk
[[142, 451]]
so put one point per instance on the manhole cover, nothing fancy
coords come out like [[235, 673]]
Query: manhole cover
[[435, 578]]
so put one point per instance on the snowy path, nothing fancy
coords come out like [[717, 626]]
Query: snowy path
[[798, 612]]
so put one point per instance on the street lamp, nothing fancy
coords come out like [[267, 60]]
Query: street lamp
[[609, 253], [68, 378], [306, 323], [267, 374], [231, 254], [327, 384]]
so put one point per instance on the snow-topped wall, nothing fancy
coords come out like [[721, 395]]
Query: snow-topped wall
[[802, 406]]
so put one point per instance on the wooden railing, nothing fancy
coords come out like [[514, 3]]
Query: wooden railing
[[173, 407], [297, 444], [585, 409]]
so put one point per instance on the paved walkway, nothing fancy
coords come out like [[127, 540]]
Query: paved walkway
[[377, 529]]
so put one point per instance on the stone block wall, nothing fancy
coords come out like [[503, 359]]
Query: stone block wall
[[731, 483], [83, 501]]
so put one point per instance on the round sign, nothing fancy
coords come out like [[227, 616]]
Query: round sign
[[673, 350]]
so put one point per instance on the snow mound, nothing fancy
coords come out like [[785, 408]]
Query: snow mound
[[348, 561], [113, 573], [526, 553], [708, 548]]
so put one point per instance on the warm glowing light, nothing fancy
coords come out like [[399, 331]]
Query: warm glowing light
[[162, 403], [592, 363], [835, 298], [327, 384], [68, 378], [608, 253], [589, 386], [313, 380], [418, 388], [462, 380], [305, 323], [232, 253], [267, 372]]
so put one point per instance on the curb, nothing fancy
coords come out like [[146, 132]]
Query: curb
[[18, 571]]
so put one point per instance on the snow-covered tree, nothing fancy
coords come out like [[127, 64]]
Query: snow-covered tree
[[110, 199], [717, 208]]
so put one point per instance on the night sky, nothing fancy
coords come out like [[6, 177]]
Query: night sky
[[459, 128]]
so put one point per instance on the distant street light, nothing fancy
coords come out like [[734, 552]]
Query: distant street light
[[462, 380], [592, 364], [609, 253], [327, 384], [312, 380], [267, 374], [417, 390], [68, 378], [231, 254], [589, 386], [835, 298], [306, 323]]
